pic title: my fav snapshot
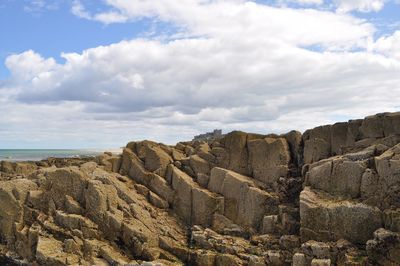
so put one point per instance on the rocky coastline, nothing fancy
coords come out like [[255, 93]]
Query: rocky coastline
[[329, 196]]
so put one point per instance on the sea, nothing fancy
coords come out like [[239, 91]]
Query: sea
[[41, 154]]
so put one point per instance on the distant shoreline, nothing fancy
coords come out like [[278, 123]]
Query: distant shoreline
[[33, 155]]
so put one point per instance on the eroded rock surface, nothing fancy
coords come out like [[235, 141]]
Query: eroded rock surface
[[330, 196]]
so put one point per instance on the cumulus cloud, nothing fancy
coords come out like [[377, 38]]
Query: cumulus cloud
[[359, 5], [231, 65], [389, 45]]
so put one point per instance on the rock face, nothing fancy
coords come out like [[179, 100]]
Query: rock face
[[330, 196]]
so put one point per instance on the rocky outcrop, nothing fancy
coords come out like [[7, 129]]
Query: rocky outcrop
[[329, 196]]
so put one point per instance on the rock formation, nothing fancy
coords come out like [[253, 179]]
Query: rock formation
[[330, 196]]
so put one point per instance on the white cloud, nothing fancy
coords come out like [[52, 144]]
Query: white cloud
[[359, 5], [79, 10], [389, 45], [235, 65]]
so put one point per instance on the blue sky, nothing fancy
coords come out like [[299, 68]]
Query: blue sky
[[53, 31], [94, 74]]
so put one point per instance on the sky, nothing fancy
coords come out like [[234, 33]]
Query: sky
[[100, 73]]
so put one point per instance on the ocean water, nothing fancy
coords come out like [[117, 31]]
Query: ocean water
[[40, 154]]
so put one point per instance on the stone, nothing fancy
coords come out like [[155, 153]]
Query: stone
[[256, 261], [177, 154], [227, 260], [391, 219], [317, 144], [66, 181], [245, 204], [315, 249], [236, 152], [340, 138], [126, 161], [204, 205], [143, 190], [182, 184], [294, 139], [337, 176], [269, 225], [17, 168], [269, 159], [372, 127], [315, 150], [72, 206], [205, 259], [174, 248], [325, 219], [112, 257], [194, 204], [50, 252], [299, 259], [384, 248], [204, 151], [391, 124], [99, 198], [289, 242], [274, 258], [329, 196], [203, 179], [199, 165], [36, 199], [157, 201], [13, 194], [321, 262], [155, 158], [160, 186]]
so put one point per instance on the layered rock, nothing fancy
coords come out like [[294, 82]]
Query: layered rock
[[327, 197]]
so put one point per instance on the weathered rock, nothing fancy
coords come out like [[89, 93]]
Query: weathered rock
[[160, 210], [326, 219], [321, 262], [269, 159], [245, 204], [17, 168], [199, 165], [269, 225], [384, 249], [194, 204], [236, 158], [317, 144], [69, 181], [299, 259], [337, 176], [155, 157], [372, 127], [12, 197]]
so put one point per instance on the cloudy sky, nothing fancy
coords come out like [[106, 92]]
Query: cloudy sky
[[98, 73]]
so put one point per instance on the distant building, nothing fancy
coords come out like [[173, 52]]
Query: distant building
[[216, 134]]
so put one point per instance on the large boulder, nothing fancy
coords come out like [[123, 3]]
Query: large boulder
[[324, 218], [337, 176], [154, 156], [388, 183], [66, 181], [235, 144], [317, 144], [192, 203], [12, 197], [245, 204], [17, 168], [269, 159]]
